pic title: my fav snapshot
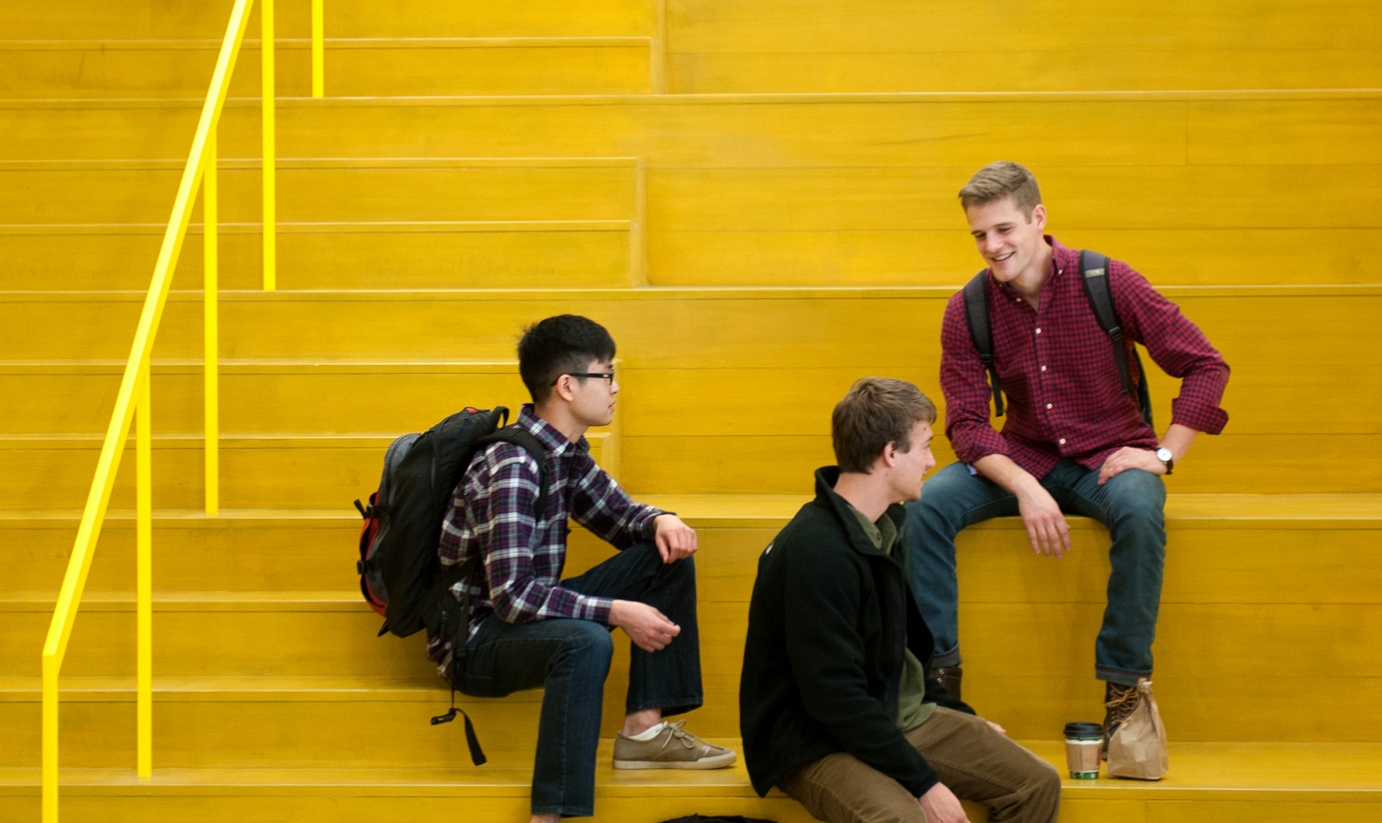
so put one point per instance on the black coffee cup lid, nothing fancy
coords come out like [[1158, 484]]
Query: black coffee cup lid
[[1083, 730]]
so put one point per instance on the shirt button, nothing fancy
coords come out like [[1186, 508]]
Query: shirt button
[[1038, 331], [1048, 405], [1062, 441], [1043, 368]]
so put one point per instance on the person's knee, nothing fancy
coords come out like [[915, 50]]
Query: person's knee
[[588, 643], [1136, 496], [1044, 791]]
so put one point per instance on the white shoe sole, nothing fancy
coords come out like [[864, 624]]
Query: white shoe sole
[[719, 761]]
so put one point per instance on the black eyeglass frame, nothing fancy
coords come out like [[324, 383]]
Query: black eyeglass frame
[[608, 375]]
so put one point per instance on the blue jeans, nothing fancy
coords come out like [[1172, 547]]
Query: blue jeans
[[570, 660], [1130, 504]]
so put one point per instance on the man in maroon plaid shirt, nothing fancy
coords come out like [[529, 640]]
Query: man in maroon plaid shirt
[[1073, 441]]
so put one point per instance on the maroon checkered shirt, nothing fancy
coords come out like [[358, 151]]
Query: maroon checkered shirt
[[1065, 396]]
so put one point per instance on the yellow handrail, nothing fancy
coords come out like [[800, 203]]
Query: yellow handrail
[[266, 70], [211, 394], [318, 50], [134, 388]]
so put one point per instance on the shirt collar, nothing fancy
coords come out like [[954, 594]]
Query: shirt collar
[[1063, 259], [554, 441]]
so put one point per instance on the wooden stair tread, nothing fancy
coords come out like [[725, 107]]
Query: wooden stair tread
[[246, 689], [1344, 511], [996, 97], [1199, 771], [713, 292]]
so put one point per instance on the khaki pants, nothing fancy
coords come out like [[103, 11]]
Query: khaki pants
[[973, 761]]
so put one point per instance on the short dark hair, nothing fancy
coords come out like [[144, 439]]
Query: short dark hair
[[876, 411], [559, 345], [1002, 179]]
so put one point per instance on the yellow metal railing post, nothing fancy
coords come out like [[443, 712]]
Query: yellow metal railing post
[[50, 738], [144, 620], [318, 50], [210, 334], [266, 49]]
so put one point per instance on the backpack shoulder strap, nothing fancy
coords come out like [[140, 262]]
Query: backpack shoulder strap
[[1094, 274], [534, 447], [976, 299]]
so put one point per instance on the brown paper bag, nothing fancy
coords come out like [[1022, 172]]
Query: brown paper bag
[[1138, 747]]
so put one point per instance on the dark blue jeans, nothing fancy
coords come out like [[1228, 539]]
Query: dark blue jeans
[[570, 660], [1130, 505]]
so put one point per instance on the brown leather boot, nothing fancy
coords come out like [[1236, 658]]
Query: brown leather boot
[[1119, 702], [950, 677]]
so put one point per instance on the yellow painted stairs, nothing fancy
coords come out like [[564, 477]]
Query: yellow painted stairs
[[758, 201]]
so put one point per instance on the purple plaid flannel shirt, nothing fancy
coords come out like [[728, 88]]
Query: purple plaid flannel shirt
[[1065, 396], [522, 559]]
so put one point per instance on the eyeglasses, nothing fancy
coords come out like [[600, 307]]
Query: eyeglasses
[[608, 375]]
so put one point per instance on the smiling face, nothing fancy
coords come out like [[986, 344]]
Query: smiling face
[[910, 467], [593, 397], [1011, 242]]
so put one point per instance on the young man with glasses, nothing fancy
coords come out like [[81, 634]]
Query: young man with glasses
[[529, 628]]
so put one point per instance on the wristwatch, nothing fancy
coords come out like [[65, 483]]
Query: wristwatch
[[1164, 455]]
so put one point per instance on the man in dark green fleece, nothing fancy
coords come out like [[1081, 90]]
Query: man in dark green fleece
[[835, 704]]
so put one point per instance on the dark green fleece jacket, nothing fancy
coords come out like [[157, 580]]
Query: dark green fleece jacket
[[828, 622]]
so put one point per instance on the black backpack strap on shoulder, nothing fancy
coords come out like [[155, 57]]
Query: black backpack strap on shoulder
[[534, 447], [976, 298], [1094, 274]]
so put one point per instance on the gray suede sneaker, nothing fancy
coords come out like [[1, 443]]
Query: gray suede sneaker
[[673, 748]]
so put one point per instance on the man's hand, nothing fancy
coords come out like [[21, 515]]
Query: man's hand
[[940, 805], [648, 628], [996, 727], [1046, 526], [1130, 458], [675, 540]]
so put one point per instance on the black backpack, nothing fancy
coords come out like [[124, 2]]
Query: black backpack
[[401, 575], [1094, 275]]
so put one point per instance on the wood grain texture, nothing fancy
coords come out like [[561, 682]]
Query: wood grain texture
[[153, 19], [423, 255], [376, 66], [388, 192]]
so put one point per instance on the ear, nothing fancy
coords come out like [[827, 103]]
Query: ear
[[565, 388], [1039, 216], [888, 458]]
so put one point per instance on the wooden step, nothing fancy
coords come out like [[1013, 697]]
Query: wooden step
[[275, 722], [832, 45], [855, 189], [1271, 783], [259, 396], [154, 19], [1245, 575], [1170, 130], [54, 69], [43, 472], [683, 436], [424, 254], [348, 190]]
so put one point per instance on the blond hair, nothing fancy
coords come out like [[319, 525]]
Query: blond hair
[[998, 180]]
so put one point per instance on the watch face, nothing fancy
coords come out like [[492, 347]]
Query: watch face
[[1163, 454]]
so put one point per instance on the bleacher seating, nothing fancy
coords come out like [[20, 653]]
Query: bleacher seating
[[782, 222]]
